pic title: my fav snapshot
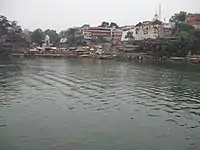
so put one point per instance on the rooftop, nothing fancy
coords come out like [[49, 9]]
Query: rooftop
[[155, 22], [193, 16]]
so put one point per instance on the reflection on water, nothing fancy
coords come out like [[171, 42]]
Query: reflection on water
[[49, 104]]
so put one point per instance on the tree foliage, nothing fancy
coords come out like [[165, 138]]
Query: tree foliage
[[63, 34], [4, 23], [54, 37], [28, 35], [71, 36], [185, 39], [37, 36], [179, 17], [129, 35], [107, 24], [12, 39], [74, 36], [113, 24], [85, 26], [104, 24], [189, 37], [185, 27], [7, 26]]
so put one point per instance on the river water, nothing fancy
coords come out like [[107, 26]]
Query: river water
[[58, 104]]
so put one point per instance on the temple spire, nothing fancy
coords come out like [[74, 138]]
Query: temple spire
[[160, 11]]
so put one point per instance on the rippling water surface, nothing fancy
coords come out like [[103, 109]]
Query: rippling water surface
[[50, 104]]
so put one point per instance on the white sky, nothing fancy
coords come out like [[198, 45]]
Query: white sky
[[62, 14]]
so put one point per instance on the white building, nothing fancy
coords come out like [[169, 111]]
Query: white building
[[149, 30]]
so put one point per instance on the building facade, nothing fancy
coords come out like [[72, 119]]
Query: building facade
[[116, 34], [149, 30], [98, 32], [194, 20]]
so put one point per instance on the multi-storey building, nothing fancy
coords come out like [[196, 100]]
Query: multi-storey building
[[149, 30], [97, 32]]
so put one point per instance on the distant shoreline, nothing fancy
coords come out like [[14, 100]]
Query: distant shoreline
[[146, 59]]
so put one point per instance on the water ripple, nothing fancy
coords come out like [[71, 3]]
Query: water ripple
[[100, 97]]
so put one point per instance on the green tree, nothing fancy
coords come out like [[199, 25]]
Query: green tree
[[14, 23], [129, 35], [4, 23], [85, 26], [11, 34], [113, 24], [63, 34], [179, 17], [28, 35], [104, 24], [186, 39], [71, 35], [74, 36], [37, 36], [183, 34], [10, 30], [16, 27], [185, 27], [196, 33], [8, 26], [54, 36]]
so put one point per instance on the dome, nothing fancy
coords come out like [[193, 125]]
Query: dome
[[156, 17]]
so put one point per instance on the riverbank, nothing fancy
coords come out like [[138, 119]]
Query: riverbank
[[153, 50], [133, 57]]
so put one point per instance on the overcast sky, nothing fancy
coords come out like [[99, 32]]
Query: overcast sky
[[62, 14]]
